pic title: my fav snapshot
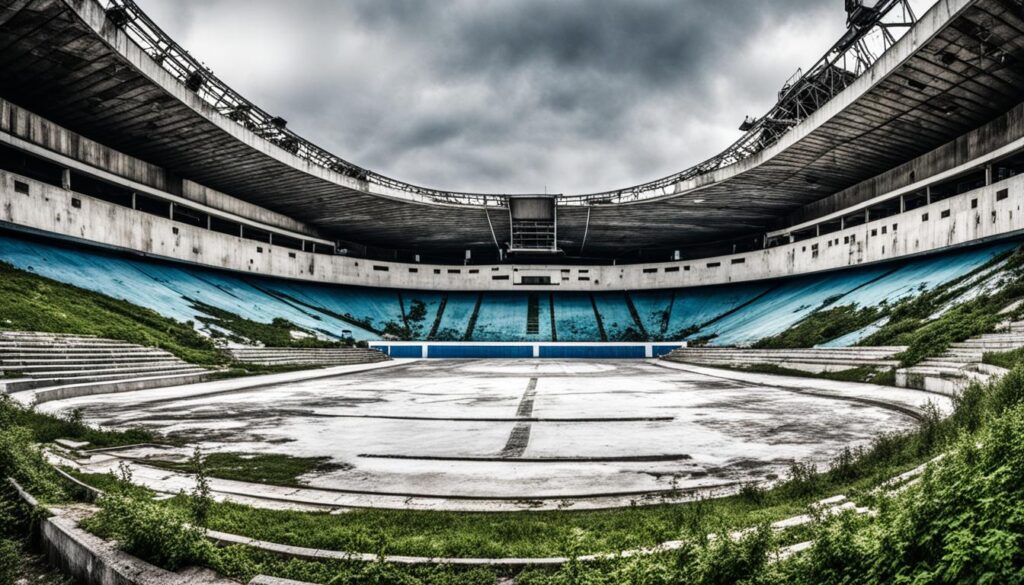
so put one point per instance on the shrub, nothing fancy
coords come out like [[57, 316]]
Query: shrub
[[146, 529], [10, 560]]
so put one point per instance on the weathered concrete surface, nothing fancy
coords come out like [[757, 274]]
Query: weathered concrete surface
[[456, 435], [91, 560]]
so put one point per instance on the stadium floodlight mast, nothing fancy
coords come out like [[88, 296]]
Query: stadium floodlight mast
[[871, 30]]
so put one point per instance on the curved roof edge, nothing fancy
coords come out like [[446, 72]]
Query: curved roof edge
[[801, 105]]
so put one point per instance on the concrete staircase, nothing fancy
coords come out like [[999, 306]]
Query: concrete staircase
[[31, 361], [288, 356], [961, 363], [815, 360]]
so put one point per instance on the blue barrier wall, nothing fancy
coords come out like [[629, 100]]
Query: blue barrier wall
[[608, 352], [479, 351]]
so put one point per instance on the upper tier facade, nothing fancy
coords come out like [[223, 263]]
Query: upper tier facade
[[56, 182]]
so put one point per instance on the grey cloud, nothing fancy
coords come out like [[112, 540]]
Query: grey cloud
[[509, 95]]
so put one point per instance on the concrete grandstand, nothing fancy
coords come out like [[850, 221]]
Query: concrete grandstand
[[841, 236]]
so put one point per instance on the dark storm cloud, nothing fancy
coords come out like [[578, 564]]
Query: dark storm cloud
[[509, 95]]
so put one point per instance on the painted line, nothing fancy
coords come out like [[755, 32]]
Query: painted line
[[532, 419], [609, 459]]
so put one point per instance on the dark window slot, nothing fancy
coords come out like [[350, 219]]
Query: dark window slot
[[153, 206], [287, 242], [251, 233], [33, 167], [225, 226]]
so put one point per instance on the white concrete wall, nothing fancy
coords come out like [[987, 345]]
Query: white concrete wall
[[49, 209]]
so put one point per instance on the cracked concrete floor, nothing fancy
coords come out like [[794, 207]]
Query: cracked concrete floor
[[527, 429]]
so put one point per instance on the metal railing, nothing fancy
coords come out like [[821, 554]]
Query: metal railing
[[869, 35]]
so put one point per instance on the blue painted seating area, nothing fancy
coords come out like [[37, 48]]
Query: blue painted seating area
[[734, 314]]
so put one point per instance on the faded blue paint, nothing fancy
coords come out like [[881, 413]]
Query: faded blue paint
[[736, 314], [607, 352], [479, 351]]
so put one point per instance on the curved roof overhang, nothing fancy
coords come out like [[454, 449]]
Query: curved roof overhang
[[960, 66]]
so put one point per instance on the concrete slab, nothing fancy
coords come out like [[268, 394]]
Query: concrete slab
[[512, 434]]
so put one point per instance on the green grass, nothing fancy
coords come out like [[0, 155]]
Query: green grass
[[268, 468], [46, 428], [869, 374], [1004, 359], [277, 333], [910, 321], [29, 302], [825, 324]]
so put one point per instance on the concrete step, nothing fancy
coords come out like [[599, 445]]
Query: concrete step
[[91, 366], [23, 384], [81, 353], [84, 361], [41, 335], [139, 369], [124, 385]]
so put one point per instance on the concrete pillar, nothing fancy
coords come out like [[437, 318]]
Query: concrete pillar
[[172, 211], [903, 203], [842, 223], [988, 174], [928, 195], [209, 221], [134, 203], [817, 230], [303, 245], [867, 215], [65, 179]]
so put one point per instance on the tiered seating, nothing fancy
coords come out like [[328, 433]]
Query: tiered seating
[[574, 317], [808, 360], [458, 311], [615, 316], [307, 356], [44, 360], [961, 363], [732, 314]]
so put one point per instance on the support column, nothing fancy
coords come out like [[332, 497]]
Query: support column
[[903, 203], [65, 179], [928, 195]]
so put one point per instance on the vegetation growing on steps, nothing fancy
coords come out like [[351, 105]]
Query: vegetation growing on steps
[[824, 324], [277, 333], [910, 321], [29, 302], [1004, 359], [870, 374], [910, 325]]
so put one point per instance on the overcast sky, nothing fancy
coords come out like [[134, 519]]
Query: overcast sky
[[509, 95]]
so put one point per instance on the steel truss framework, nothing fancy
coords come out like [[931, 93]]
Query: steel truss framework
[[871, 32]]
